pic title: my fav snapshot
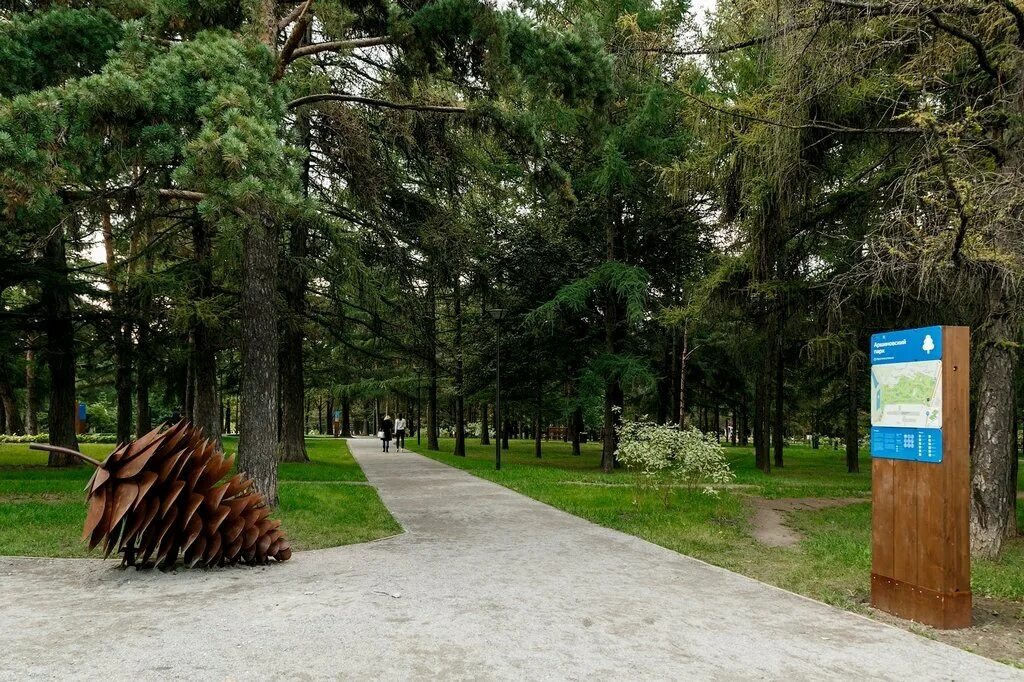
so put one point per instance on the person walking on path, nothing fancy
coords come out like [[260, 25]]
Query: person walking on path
[[400, 432], [387, 429]]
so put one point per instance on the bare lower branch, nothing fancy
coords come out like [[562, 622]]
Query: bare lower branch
[[878, 9], [184, 194], [409, 106], [961, 209], [1018, 18], [973, 41], [65, 451], [340, 46], [292, 43], [813, 125], [844, 11], [296, 12], [757, 40]]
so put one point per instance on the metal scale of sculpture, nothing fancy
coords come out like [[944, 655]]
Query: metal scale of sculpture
[[162, 496]]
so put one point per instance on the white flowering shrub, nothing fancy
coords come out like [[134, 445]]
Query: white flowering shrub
[[663, 455]]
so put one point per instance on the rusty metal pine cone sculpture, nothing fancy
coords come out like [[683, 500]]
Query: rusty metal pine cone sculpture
[[162, 496]]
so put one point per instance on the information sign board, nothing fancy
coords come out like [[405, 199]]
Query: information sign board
[[906, 395]]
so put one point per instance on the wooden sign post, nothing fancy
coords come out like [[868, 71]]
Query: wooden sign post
[[920, 449]]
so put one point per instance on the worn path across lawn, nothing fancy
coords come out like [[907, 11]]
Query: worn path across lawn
[[484, 584]]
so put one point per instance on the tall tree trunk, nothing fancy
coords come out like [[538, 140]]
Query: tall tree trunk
[[293, 393], [205, 403], [257, 444], [460, 401], [31, 400], [778, 414], [12, 416], [674, 378], [683, 356], [346, 417], [613, 333], [485, 436], [744, 426], [143, 417], [577, 429], [60, 350], [123, 381], [992, 490], [853, 415], [538, 416], [1011, 517], [431, 360], [293, 281], [188, 395], [121, 333], [330, 417], [762, 458], [665, 383]]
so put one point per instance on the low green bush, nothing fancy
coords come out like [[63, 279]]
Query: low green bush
[[663, 455], [45, 438]]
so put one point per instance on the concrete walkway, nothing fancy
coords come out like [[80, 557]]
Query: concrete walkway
[[484, 584]]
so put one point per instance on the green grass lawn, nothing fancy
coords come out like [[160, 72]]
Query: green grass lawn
[[322, 502], [832, 563]]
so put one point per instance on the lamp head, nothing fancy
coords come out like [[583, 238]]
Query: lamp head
[[498, 313]]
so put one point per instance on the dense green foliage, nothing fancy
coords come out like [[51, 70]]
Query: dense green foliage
[[265, 215]]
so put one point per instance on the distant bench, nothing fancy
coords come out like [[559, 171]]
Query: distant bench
[[556, 433], [562, 433]]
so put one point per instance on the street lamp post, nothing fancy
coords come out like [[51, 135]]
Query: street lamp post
[[498, 314]]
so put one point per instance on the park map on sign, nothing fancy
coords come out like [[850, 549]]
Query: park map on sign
[[907, 394]]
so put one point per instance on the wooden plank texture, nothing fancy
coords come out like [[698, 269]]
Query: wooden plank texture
[[882, 517], [920, 513]]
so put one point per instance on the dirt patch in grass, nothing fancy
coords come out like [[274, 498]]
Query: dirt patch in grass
[[998, 630], [768, 522]]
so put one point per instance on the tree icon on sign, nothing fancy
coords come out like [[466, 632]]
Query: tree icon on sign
[[929, 344]]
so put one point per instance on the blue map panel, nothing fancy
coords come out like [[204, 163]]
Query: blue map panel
[[906, 345], [915, 445]]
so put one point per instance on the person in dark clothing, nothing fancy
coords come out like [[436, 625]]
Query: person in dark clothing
[[400, 432], [387, 430]]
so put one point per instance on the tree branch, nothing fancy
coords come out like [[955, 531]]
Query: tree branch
[[65, 451], [879, 9], [814, 125], [339, 46], [973, 41], [184, 194], [291, 16], [961, 209], [757, 40], [1018, 17], [860, 8], [410, 106], [292, 43]]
